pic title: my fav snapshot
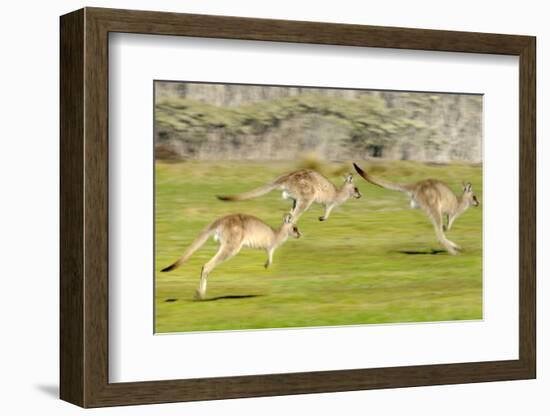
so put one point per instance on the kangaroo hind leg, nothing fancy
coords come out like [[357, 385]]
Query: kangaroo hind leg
[[225, 252], [286, 195], [301, 206], [437, 221]]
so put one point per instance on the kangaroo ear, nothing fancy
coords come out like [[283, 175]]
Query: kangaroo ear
[[468, 187], [287, 218], [348, 178]]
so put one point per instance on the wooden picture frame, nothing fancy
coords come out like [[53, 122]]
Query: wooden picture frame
[[84, 207]]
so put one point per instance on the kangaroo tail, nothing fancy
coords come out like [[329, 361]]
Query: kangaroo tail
[[381, 182], [195, 245], [249, 195]]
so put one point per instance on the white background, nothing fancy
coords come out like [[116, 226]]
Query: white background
[[136, 355], [29, 209]]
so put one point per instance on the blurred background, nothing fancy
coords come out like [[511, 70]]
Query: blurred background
[[374, 261], [243, 122]]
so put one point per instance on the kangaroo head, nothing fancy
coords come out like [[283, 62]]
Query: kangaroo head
[[349, 187], [468, 195], [289, 228]]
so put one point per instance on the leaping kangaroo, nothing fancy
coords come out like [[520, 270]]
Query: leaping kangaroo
[[305, 187], [436, 198], [234, 232]]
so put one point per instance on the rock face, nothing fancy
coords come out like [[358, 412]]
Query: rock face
[[241, 122]]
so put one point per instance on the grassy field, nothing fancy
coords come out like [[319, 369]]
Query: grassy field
[[374, 261]]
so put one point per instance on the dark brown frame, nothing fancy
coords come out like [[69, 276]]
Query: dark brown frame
[[84, 207]]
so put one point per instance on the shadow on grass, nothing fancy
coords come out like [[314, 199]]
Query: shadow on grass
[[218, 298], [416, 252], [230, 297]]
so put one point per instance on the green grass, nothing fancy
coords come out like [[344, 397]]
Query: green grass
[[371, 262]]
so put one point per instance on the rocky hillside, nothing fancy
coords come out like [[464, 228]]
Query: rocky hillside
[[237, 122]]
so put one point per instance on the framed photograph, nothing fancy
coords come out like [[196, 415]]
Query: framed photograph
[[255, 207]]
